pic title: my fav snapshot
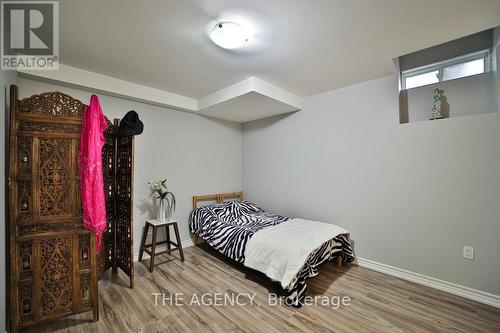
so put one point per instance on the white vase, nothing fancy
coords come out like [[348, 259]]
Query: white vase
[[164, 210]]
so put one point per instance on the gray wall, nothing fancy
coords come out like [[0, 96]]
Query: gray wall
[[6, 79], [412, 195], [469, 44], [198, 155], [465, 96], [496, 63]]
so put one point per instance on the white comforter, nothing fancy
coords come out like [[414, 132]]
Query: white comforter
[[280, 251]]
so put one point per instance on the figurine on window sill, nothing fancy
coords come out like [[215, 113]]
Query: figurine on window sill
[[436, 108]]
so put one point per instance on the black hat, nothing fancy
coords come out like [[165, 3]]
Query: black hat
[[131, 124]]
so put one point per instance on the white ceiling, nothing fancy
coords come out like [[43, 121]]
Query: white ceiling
[[247, 107], [248, 100], [305, 47]]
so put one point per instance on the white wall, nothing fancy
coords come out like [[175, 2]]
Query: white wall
[[412, 195], [496, 63], [198, 155], [6, 79], [465, 96]]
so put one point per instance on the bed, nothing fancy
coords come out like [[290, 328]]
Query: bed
[[287, 250]]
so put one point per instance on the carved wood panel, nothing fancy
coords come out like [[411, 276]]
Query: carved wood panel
[[24, 204], [105, 258], [26, 258], [29, 127], [56, 291], [54, 104], [84, 251], [54, 267], [124, 213], [85, 295], [45, 224], [24, 156], [25, 307], [55, 162]]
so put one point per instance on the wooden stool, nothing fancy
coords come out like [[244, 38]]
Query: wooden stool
[[155, 224]]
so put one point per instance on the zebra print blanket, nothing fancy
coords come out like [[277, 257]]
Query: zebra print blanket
[[228, 226]]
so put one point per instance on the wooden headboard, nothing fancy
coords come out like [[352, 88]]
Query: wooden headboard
[[219, 197]]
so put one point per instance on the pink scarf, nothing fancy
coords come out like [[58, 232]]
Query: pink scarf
[[90, 164]]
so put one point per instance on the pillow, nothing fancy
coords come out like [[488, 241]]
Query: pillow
[[248, 207], [226, 210]]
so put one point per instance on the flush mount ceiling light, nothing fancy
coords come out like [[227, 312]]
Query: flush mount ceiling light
[[229, 35]]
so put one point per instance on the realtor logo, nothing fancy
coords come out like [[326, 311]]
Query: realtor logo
[[30, 35]]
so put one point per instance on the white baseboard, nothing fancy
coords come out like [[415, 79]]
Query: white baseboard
[[185, 244], [452, 288]]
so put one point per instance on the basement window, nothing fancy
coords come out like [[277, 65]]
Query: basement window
[[463, 66]]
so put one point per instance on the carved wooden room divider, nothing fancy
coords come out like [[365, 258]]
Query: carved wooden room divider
[[53, 263]]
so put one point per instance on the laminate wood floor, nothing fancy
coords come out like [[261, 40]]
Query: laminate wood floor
[[379, 303]]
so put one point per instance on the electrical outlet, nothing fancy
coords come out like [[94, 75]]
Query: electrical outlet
[[468, 252]]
